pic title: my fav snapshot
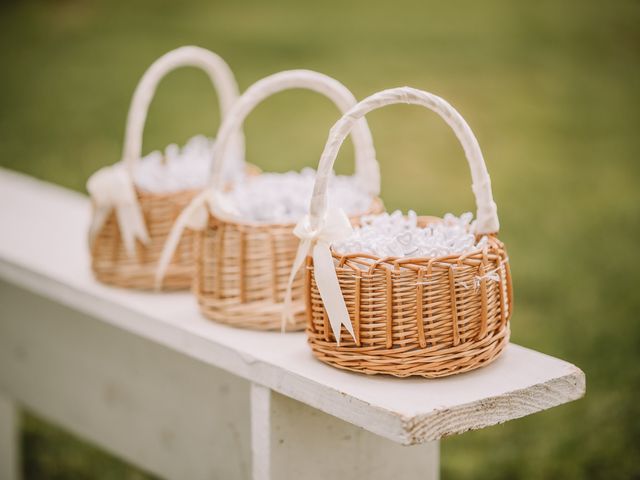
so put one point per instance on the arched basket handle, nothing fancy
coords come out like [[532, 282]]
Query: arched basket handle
[[218, 72], [367, 171], [487, 215]]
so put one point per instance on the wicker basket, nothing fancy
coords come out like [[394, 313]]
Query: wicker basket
[[428, 317], [123, 254], [243, 267]]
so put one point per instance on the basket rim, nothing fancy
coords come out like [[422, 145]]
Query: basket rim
[[165, 195], [373, 261], [375, 202], [250, 169]]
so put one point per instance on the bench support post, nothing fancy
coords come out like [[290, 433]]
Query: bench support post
[[9, 439], [291, 440]]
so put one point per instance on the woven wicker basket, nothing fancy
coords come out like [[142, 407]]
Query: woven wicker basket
[[243, 267], [429, 317], [112, 261]]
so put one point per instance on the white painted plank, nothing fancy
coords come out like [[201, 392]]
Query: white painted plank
[[165, 412], [9, 439], [291, 441], [43, 248], [307, 443], [260, 432]]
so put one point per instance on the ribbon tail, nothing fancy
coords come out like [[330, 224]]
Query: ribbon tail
[[126, 232], [132, 227], [190, 217], [98, 219], [329, 288], [139, 227], [112, 187], [287, 308]]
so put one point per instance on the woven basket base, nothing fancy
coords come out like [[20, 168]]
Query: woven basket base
[[142, 277], [252, 315], [428, 362]]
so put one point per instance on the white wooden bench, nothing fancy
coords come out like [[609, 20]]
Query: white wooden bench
[[148, 379]]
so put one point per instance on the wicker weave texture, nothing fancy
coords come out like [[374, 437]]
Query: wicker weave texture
[[423, 317], [242, 272], [112, 265]]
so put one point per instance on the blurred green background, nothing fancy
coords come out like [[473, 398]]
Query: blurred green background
[[551, 88]]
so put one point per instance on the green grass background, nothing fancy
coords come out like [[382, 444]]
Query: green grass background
[[551, 88]]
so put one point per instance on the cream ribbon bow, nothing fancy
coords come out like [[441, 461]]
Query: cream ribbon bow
[[194, 216], [335, 227], [112, 188]]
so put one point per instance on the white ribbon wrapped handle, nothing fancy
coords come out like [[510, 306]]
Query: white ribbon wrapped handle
[[112, 187], [221, 78], [487, 212], [367, 171], [319, 218]]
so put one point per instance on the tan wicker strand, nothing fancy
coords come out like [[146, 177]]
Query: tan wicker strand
[[503, 314], [429, 313], [509, 286], [420, 308], [111, 264], [356, 307], [454, 306], [308, 306], [483, 296], [326, 327], [274, 270], [389, 297], [241, 264], [220, 259]]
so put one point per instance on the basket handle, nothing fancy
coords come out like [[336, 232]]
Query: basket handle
[[367, 171], [189, 56], [487, 215]]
